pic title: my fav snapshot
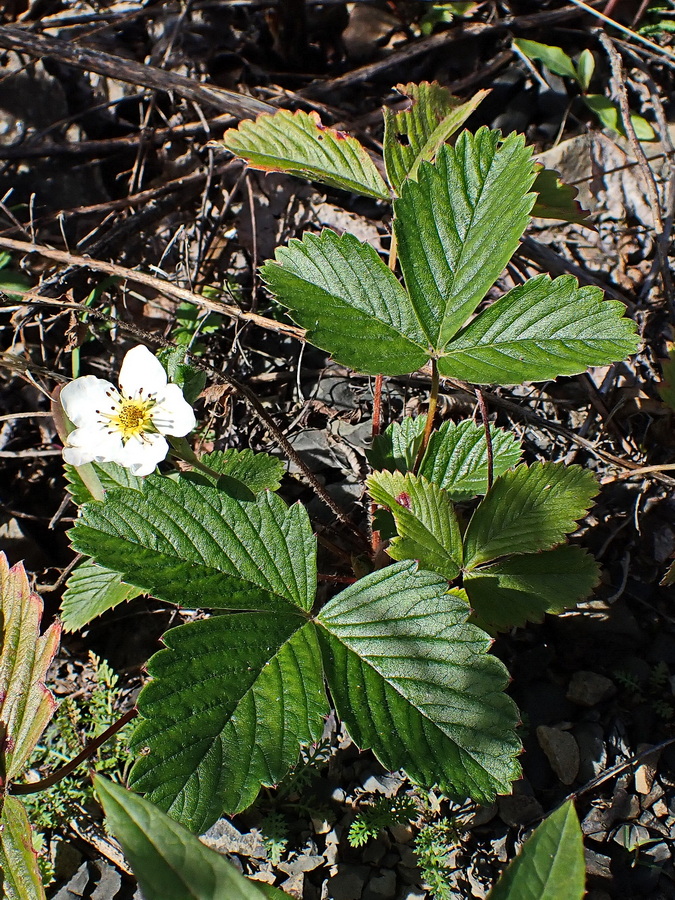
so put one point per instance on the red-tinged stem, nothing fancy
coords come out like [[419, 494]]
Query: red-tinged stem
[[337, 579], [488, 437], [88, 751], [431, 415]]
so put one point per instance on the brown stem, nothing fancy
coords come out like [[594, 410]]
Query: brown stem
[[431, 415], [488, 436], [35, 786]]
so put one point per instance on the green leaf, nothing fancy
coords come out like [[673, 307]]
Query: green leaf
[[349, 301], [258, 471], [550, 864], [90, 591], [26, 706], [109, 474], [18, 861], [396, 448], [521, 589], [552, 57], [194, 545], [169, 862], [425, 519], [414, 682], [231, 701], [557, 200], [458, 225], [610, 116], [585, 68], [528, 509], [456, 458], [539, 330], [299, 144], [415, 133]]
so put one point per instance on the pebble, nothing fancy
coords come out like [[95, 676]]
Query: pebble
[[349, 882], [561, 750], [387, 785], [597, 864], [401, 834], [592, 753], [519, 809], [646, 771], [590, 688], [381, 887]]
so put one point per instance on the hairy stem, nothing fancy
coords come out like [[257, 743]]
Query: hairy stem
[[431, 415], [35, 786]]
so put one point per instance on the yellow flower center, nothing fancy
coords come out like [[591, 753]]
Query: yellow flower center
[[132, 416]]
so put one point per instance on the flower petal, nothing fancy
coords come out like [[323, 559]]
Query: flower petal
[[141, 370], [92, 443], [142, 453], [83, 396], [173, 414]]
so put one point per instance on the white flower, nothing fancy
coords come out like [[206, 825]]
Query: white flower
[[125, 426]]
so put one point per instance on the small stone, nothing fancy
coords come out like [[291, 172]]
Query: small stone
[[598, 865], [375, 850], [265, 875], [300, 864], [519, 809], [590, 688], [294, 886], [481, 815], [596, 822], [644, 777], [411, 894], [387, 785], [561, 750], [401, 834], [320, 826], [590, 737], [339, 795], [660, 809], [348, 883], [381, 887], [655, 794], [408, 857]]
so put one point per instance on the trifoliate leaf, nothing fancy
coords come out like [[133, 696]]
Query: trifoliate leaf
[[258, 471], [456, 457], [231, 700], [396, 448], [169, 862], [425, 519], [90, 591], [458, 225], [550, 864], [528, 509], [349, 301], [539, 330], [109, 474], [299, 144], [521, 589], [414, 682], [415, 133], [194, 545]]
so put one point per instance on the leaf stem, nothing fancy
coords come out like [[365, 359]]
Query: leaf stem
[[431, 415], [35, 786], [488, 437], [182, 450]]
